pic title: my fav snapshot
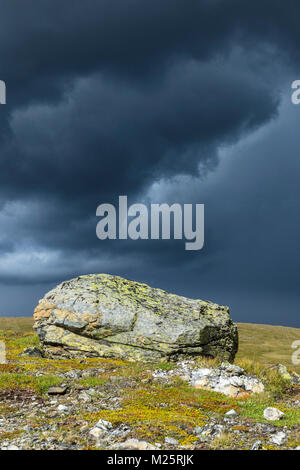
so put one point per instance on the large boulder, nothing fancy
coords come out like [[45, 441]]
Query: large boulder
[[108, 316]]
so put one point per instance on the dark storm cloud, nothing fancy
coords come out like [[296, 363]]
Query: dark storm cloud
[[51, 38], [108, 137], [108, 97], [252, 226]]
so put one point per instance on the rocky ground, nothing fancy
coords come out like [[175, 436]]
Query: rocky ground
[[114, 404]]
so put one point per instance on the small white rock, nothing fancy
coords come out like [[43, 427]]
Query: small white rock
[[253, 385], [135, 444], [171, 441], [200, 383], [231, 413], [279, 438], [96, 433], [62, 408], [218, 430], [257, 445], [85, 397], [197, 430], [273, 414], [231, 368], [103, 425], [236, 381], [203, 372]]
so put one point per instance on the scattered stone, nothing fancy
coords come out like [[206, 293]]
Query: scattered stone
[[10, 447], [96, 433], [257, 445], [101, 428], [197, 430], [73, 374], [58, 390], [62, 408], [273, 414], [293, 378], [138, 322], [231, 413], [84, 396], [113, 379], [279, 438], [103, 425], [212, 431], [171, 441], [135, 444], [32, 352], [228, 379], [204, 372], [231, 369]]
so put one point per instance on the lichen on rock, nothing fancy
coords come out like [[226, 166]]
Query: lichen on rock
[[108, 316]]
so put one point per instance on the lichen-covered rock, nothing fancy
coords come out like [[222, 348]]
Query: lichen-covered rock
[[293, 378], [108, 316]]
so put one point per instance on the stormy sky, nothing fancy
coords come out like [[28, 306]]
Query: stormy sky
[[163, 101]]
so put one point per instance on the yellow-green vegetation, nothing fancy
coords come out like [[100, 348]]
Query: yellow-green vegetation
[[6, 409], [93, 382], [159, 410], [10, 435]]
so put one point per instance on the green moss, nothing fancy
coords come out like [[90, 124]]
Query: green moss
[[39, 384], [165, 366], [93, 382]]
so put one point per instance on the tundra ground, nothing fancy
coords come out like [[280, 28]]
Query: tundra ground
[[167, 414]]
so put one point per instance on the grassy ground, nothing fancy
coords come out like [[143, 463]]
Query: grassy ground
[[268, 344], [16, 323]]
